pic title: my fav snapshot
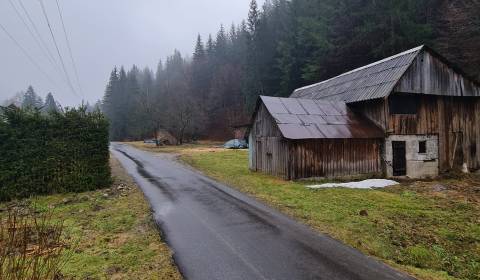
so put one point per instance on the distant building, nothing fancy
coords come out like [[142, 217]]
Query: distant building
[[165, 138], [413, 114], [240, 130]]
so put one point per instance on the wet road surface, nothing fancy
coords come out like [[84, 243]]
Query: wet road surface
[[219, 233]]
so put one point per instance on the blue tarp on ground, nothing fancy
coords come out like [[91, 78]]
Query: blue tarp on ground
[[236, 144]]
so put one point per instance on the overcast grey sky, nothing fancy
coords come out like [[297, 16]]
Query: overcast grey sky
[[103, 33]]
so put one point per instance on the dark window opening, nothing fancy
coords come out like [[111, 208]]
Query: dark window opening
[[473, 150], [402, 104], [399, 164], [422, 147]]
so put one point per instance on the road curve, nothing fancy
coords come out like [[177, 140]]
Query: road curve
[[219, 233]]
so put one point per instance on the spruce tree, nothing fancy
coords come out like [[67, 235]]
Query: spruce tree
[[110, 102], [50, 104], [253, 17], [200, 74], [199, 53], [31, 99], [210, 47]]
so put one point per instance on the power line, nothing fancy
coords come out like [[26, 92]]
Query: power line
[[26, 54], [58, 50], [26, 26], [40, 37], [69, 48], [29, 29]]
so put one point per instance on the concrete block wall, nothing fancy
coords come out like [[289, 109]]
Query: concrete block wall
[[418, 165]]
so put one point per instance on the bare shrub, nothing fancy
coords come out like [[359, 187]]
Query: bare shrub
[[30, 246]]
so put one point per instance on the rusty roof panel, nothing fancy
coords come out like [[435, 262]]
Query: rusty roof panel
[[317, 119], [372, 81]]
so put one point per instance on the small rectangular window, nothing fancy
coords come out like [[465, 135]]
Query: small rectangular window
[[422, 147], [402, 104]]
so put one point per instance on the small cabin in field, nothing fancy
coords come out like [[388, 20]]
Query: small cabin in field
[[413, 114]]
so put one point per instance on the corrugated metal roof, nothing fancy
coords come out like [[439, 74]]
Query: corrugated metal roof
[[311, 119], [372, 81]]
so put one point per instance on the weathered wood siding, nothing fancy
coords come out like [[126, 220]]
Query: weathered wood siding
[[268, 148], [456, 121], [430, 75], [271, 153], [334, 157], [448, 106], [374, 110]]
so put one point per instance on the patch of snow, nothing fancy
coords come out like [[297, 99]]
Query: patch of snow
[[365, 184]]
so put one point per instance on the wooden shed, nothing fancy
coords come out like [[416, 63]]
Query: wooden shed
[[298, 138], [426, 112]]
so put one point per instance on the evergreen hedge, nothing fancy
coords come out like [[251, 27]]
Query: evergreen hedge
[[52, 153]]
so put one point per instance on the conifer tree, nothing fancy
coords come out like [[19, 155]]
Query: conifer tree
[[110, 103], [50, 104], [31, 99], [253, 17]]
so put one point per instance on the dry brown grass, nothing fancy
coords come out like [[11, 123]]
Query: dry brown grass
[[31, 246], [200, 146]]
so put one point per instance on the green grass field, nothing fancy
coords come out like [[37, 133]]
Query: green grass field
[[430, 234], [110, 233]]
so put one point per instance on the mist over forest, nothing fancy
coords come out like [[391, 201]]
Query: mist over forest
[[280, 46]]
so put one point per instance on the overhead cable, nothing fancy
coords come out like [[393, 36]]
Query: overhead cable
[[26, 54], [58, 50]]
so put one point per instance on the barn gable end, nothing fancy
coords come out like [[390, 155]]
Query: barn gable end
[[431, 74], [267, 147]]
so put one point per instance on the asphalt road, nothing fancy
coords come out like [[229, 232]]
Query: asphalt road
[[219, 233]]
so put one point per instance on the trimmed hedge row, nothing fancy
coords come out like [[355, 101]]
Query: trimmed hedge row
[[53, 153]]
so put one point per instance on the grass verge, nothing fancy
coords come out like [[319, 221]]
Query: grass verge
[[201, 146], [430, 229], [110, 232]]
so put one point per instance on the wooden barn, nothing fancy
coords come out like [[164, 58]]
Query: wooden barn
[[413, 114]]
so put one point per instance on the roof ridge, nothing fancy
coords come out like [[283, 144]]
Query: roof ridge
[[314, 99], [364, 67]]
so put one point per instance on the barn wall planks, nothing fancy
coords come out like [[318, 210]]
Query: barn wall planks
[[374, 110], [456, 120], [430, 75], [448, 105], [269, 150], [292, 159], [334, 157]]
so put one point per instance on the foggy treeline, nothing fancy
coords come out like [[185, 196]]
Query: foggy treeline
[[279, 47], [30, 100]]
